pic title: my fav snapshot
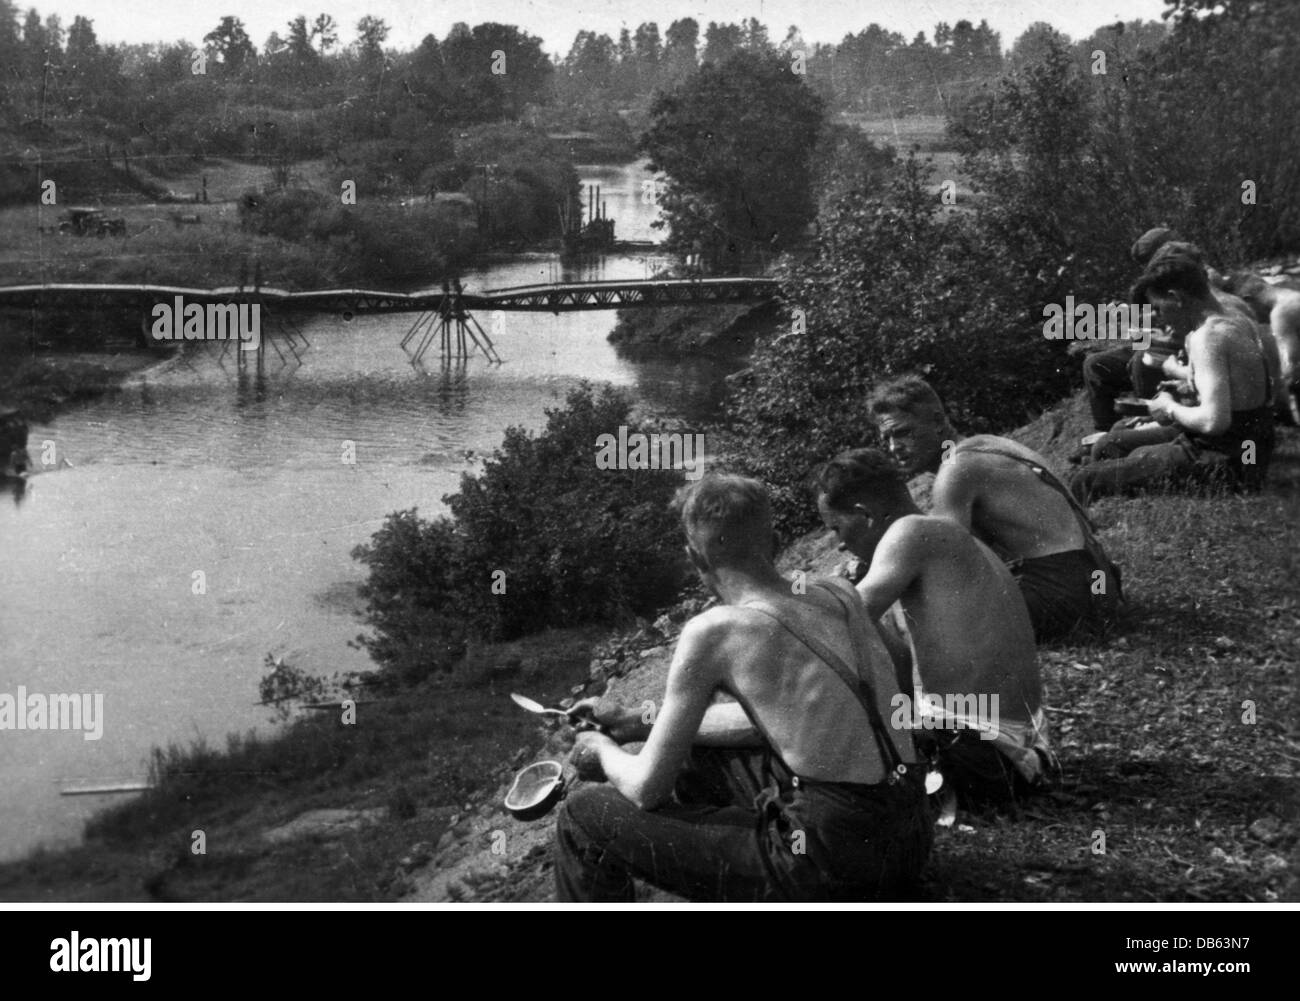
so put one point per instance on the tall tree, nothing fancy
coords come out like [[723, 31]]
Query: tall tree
[[755, 36], [36, 45], [82, 60], [371, 35], [233, 46], [648, 53], [372, 32], [721, 42], [299, 41], [54, 36], [590, 65], [496, 69], [326, 32], [737, 142], [681, 45], [11, 53]]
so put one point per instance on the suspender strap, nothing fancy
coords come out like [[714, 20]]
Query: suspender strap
[[858, 684], [1045, 475]]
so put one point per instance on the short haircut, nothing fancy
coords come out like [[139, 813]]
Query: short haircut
[[1245, 284], [907, 394], [728, 515], [1172, 272], [1251, 289], [1149, 242], [1178, 248], [858, 474]]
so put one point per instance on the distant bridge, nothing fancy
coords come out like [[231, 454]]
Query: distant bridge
[[444, 313], [552, 298]]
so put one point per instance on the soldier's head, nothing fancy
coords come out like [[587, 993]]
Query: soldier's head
[[912, 421], [859, 495], [728, 523]]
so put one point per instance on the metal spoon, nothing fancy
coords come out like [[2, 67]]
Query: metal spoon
[[524, 702], [579, 720]]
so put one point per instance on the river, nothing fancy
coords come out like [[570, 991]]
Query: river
[[201, 468]]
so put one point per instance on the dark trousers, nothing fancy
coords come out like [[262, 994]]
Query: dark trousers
[[1147, 466], [1061, 593], [1111, 374], [723, 838], [1189, 461]]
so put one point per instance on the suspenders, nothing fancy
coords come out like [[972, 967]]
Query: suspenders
[[1045, 475], [857, 683]]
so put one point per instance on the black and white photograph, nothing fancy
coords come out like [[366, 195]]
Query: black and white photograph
[[799, 454]]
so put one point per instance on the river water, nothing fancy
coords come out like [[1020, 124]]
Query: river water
[[202, 468]]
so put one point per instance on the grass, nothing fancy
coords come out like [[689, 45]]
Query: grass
[[1194, 803], [1161, 767], [158, 250], [412, 764], [42, 383], [228, 179], [927, 135], [926, 132], [160, 247], [1168, 792]]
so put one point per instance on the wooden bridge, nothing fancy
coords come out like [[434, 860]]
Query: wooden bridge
[[447, 311], [556, 298]]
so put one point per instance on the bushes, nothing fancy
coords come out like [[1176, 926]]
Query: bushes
[[892, 288], [530, 176], [1072, 168], [564, 543], [384, 243], [1077, 164], [737, 141]]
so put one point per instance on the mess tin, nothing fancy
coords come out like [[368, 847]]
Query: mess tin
[[536, 790], [1131, 406]]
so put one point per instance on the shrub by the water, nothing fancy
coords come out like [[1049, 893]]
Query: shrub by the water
[[1197, 131], [892, 288], [562, 541]]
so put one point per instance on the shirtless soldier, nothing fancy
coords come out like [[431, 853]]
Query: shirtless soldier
[[842, 812], [1230, 427], [967, 627], [1005, 495], [1278, 308]]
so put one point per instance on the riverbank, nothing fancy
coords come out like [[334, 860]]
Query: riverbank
[[719, 332], [1195, 803], [44, 384], [322, 810]]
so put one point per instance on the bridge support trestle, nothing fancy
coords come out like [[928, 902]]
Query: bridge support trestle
[[458, 335]]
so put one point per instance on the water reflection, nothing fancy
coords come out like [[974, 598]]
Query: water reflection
[[452, 385], [234, 469]]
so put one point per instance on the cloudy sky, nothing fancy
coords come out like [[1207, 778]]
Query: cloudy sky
[[557, 21]]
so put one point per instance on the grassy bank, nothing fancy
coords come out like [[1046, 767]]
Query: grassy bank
[[722, 332], [323, 810], [1194, 802], [928, 135], [43, 382]]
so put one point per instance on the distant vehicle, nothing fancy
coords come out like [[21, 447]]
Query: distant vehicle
[[82, 221]]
